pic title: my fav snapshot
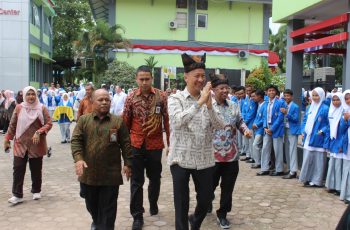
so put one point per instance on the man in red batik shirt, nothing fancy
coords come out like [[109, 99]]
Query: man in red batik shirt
[[145, 111]]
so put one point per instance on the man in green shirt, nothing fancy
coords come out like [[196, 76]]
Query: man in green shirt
[[99, 140]]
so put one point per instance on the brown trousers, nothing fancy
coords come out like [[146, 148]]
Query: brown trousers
[[19, 170]]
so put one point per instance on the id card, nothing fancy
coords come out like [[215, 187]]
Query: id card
[[157, 109], [113, 133]]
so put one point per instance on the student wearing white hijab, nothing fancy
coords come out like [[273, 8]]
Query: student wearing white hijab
[[337, 129], [65, 118], [315, 133], [345, 184]]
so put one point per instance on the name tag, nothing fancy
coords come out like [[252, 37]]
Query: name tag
[[157, 109], [113, 135]]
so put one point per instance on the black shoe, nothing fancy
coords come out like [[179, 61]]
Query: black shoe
[[49, 152], [251, 161], [243, 154], [93, 226], [191, 220], [255, 166], [290, 176], [210, 208], [223, 222], [153, 210], [346, 201], [263, 173], [276, 174], [337, 193], [243, 159], [63, 142], [137, 224]]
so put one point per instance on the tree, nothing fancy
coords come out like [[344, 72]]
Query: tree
[[99, 44], [120, 73], [278, 44], [73, 17]]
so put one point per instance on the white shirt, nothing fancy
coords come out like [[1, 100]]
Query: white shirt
[[191, 132], [269, 110], [118, 102]]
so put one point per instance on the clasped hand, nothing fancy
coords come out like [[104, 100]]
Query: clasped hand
[[206, 96]]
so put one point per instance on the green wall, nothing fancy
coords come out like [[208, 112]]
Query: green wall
[[281, 9], [35, 31], [243, 23], [222, 62], [144, 21], [46, 39]]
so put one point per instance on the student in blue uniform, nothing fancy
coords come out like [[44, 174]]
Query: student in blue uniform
[[258, 127], [337, 128], [345, 184], [249, 113], [315, 133], [274, 130], [292, 130], [240, 101]]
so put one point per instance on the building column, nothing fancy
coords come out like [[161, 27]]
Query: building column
[[294, 61], [191, 20], [346, 64], [112, 12]]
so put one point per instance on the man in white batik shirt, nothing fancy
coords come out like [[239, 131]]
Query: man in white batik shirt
[[192, 121]]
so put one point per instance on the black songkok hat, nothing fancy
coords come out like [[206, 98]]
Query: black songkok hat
[[218, 79], [273, 87], [193, 62]]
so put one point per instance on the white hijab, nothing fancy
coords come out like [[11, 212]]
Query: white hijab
[[65, 102], [334, 115], [346, 109], [314, 107]]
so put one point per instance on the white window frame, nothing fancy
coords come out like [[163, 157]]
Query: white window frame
[[206, 21], [36, 15], [177, 19]]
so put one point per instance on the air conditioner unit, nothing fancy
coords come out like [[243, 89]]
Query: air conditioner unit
[[243, 54], [172, 25]]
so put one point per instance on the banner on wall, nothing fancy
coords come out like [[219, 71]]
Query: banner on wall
[[168, 72]]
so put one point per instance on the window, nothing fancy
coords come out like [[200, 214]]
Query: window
[[47, 26], [182, 4], [202, 20], [35, 19], [181, 19], [202, 4], [32, 70]]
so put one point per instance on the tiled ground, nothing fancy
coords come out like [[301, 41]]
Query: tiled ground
[[259, 202]]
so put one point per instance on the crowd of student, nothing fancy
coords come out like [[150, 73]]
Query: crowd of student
[[323, 131]]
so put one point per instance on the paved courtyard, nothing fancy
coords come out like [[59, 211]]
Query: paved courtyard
[[259, 202]]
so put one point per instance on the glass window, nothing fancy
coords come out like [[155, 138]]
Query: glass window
[[35, 20], [32, 70], [202, 4], [202, 20], [47, 26], [181, 4], [181, 19]]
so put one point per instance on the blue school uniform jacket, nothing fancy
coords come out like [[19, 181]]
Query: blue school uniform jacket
[[249, 111], [321, 124], [259, 119], [57, 99], [277, 119], [234, 99], [336, 144], [345, 136], [293, 119], [49, 100]]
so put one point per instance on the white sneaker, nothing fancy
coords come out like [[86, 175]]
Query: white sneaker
[[36, 196], [15, 200]]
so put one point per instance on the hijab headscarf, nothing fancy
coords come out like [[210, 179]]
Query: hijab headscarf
[[9, 98], [2, 98], [65, 101], [314, 107], [346, 109], [334, 115], [29, 113]]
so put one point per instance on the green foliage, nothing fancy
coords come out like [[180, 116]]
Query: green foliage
[[262, 76], [181, 81], [150, 62], [73, 16], [120, 73], [278, 44]]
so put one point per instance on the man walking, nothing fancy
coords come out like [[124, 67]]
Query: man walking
[[192, 121], [99, 140], [118, 102], [145, 111], [86, 104]]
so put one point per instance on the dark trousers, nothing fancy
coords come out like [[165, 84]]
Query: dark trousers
[[101, 202], [203, 182], [228, 172], [19, 170], [151, 161]]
